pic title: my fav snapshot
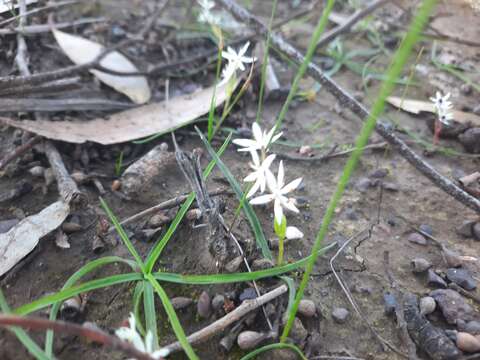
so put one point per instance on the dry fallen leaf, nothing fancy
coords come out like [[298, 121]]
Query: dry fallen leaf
[[417, 106], [23, 237], [131, 124], [82, 51]]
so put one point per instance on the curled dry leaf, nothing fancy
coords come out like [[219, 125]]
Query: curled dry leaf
[[81, 51], [131, 124], [23, 237]]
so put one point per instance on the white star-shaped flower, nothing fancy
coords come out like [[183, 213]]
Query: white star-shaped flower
[[261, 140], [278, 191], [238, 59], [441, 102], [258, 176], [131, 335], [206, 4], [445, 117]]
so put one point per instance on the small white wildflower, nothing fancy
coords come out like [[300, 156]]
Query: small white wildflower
[[206, 4], [260, 140], [131, 335], [278, 191], [238, 59], [206, 15], [258, 176], [443, 107], [293, 233]]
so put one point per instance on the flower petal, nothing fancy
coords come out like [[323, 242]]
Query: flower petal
[[253, 189], [271, 181], [280, 175], [257, 133], [293, 233], [244, 49], [268, 161], [245, 143], [262, 199], [278, 211], [251, 177], [255, 158], [291, 186], [289, 204]]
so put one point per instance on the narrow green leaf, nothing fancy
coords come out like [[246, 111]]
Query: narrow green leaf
[[250, 214], [22, 335], [150, 313], [172, 316], [123, 235], [265, 348], [75, 290], [84, 270], [137, 298]]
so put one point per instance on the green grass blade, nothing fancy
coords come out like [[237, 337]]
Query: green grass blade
[[158, 248], [123, 235], [250, 214], [172, 316], [291, 291], [22, 335], [308, 57], [399, 60], [150, 313], [236, 277], [137, 299], [75, 290], [265, 348], [84, 270]]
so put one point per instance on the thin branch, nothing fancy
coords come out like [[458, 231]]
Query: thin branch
[[222, 323], [346, 100], [19, 151], [43, 28], [94, 335]]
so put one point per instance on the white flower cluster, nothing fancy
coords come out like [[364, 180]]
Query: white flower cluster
[[443, 107], [131, 335], [263, 178], [236, 61], [206, 15]]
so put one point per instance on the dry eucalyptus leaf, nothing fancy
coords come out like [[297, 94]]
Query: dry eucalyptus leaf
[[61, 239], [131, 124], [417, 106], [81, 51], [23, 237]]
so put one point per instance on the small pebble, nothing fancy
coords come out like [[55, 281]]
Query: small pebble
[[427, 305], [420, 265], [204, 308], [298, 332], [340, 315], [157, 220], [181, 302], [390, 303], [390, 186], [37, 171], [476, 231], [217, 302], [466, 89], [247, 294], [248, 340], [379, 173], [462, 278], [363, 184], [466, 229], [427, 229], [262, 264], [417, 238], [468, 342], [305, 150], [234, 264], [434, 280], [307, 308], [116, 185], [472, 327]]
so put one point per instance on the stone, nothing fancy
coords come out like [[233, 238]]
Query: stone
[[427, 305], [204, 308], [466, 229], [468, 342], [476, 231], [434, 280], [427, 229], [340, 315], [390, 303], [247, 294], [417, 238], [180, 302], [453, 306], [470, 139], [363, 184], [420, 265], [307, 308], [462, 278], [298, 332]]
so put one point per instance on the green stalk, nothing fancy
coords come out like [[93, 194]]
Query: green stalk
[[308, 58], [394, 71], [265, 62], [211, 114]]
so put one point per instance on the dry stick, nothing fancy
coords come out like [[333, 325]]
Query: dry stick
[[95, 335], [177, 201], [352, 20], [43, 28], [67, 188], [54, 105], [221, 324], [346, 100], [19, 151], [352, 300], [69, 83], [401, 324]]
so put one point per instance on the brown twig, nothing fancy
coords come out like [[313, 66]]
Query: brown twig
[[19, 151], [53, 105], [401, 323], [42, 28], [346, 100], [348, 24], [177, 201], [66, 186], [221, 324], [95, 335], [46, 88]]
